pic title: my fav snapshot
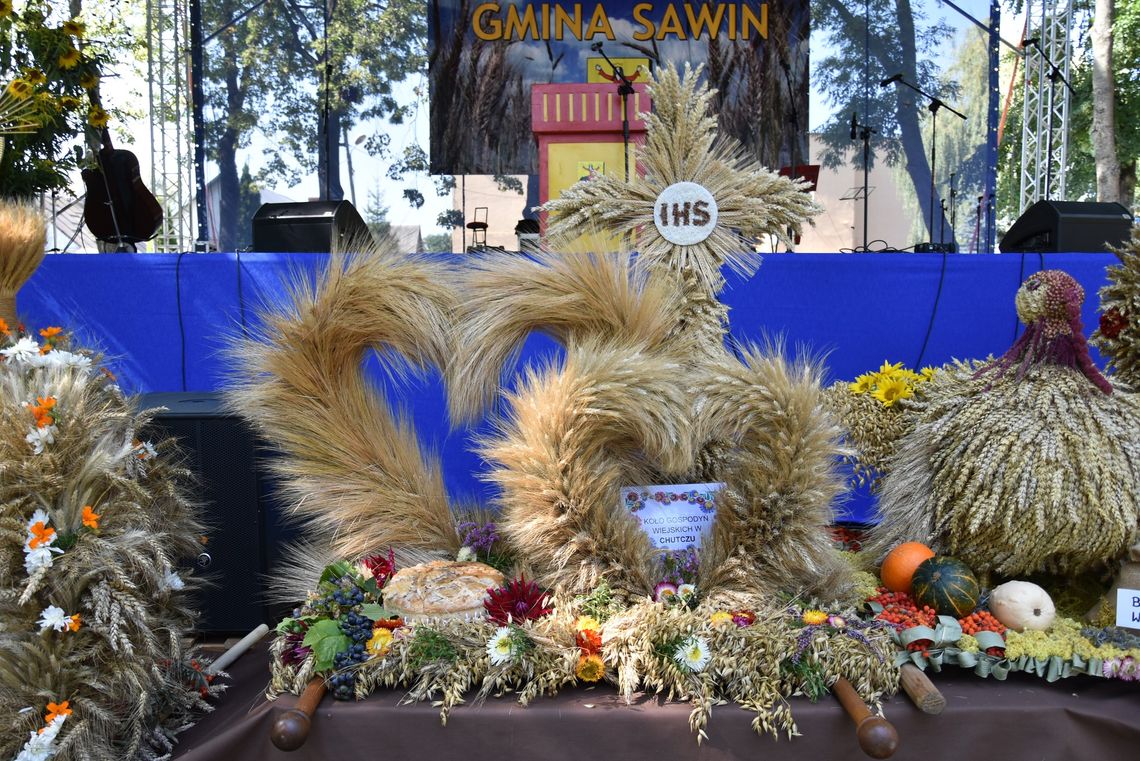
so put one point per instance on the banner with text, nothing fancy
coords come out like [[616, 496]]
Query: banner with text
[[484, 57]]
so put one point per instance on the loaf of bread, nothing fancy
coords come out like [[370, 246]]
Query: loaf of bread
[[441, 589]]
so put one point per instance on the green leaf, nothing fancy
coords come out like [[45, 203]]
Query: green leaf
[[374, 611], [335, 571], [326, 639], [371, 587]]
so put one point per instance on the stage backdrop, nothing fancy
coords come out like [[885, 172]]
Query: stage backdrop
[[164, 318], [484, 57]]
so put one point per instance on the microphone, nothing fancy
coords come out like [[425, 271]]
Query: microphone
[[596, 47], [854, 125], [888, 80], [1031, 41]]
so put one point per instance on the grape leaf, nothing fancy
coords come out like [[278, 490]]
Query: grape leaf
[[326, 639]]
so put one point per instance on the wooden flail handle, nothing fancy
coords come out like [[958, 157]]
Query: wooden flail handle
[[921, 690], [877, 736], [292, 728]]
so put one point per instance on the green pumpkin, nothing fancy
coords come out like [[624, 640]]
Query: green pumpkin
[[947, 585]]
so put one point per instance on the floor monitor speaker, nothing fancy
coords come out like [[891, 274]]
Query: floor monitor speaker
[[1063, 226], [312, 226], [244, 527]]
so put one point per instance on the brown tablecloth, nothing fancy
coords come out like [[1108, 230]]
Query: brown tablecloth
[[1021, 718]]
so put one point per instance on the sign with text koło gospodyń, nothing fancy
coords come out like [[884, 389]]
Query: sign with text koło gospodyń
[[674, 516], [485, 56]]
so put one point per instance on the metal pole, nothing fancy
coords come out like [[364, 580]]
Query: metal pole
[[196, 98]]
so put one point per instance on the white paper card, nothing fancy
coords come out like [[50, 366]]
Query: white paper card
[[675, 516], [1128, 608]]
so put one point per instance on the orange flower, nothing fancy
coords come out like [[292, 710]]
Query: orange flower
[[589, 642], [51, 332], [590, 668], [4, 326], [41, 534], [42, 411], [90, 517], [57, 709], [46, 402], [46, 348], [73, 626]]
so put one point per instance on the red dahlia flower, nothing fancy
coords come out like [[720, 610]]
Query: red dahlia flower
[[520, 600], [381, 567]]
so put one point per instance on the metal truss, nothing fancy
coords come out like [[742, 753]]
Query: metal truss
[[1045, 116], [171, 133]]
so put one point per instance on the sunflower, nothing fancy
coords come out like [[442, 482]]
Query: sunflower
[[20, 88], [890, 390], [69, 59], [89, 81], [71, 28], [590, 668], [863, 384], [97, 117]]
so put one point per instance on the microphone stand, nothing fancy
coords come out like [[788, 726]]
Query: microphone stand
[[625, 89], [1053, 75], [935, 104], [865, 133]]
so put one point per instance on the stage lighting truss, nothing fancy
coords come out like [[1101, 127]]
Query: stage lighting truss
[[170, 124], [1045, 115]]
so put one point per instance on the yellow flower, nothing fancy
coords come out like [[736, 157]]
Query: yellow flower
[[888, 369], [380, 643], [69, 59], [587, 623], [35, 76], [590, 668], [89, 80], [927, 373], [97, 117], [890, 390], [814, 617], [862, 384], [720, 617], [73, 28], [20, 88], [69, 102]]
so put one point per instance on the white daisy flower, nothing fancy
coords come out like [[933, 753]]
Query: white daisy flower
[[686, 591], [41, 745], [466, 555], [40, 557], [499, 647], [53, 617], [24, 350], [693, 654], [173, 581], [61, 358], [40, 437], [145, 451]]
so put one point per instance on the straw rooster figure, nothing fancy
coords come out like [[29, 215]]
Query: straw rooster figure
[[1025, 463]]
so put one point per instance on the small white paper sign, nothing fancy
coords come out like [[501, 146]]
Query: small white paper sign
[[1128, 608], [675, 516]]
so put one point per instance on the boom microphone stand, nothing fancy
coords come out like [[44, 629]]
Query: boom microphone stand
[[625, 89], [935, 104], [864, 132]]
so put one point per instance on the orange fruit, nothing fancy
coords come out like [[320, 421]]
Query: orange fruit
[[900, 563]]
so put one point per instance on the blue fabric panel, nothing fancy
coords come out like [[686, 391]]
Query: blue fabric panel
[[165, 320]]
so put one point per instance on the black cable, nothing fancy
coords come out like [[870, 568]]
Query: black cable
[[178, 303], [933, 313]]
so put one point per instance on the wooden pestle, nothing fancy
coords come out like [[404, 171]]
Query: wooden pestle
[[877, 736], [921, 690], [292, 728]]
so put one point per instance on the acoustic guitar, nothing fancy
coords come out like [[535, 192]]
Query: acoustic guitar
[[119, 208]]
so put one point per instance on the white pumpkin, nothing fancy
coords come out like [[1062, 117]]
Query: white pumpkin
[[1022, 605]]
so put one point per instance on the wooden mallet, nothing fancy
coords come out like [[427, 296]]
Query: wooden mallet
[[292, 728], [877, 736]]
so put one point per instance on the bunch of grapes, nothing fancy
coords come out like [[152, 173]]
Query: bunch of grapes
[[345, 594], [358, 629]]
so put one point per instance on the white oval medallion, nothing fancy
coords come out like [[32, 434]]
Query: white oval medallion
[[685, 213]]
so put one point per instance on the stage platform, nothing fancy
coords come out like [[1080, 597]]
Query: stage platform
[[1021, 719], [163, 319]]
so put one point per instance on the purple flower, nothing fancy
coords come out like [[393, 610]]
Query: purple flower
[[295, 653], [478, 537]]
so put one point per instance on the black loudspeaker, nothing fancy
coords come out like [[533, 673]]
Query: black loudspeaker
[[1061, 226], [244, 527], [313, 226]]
